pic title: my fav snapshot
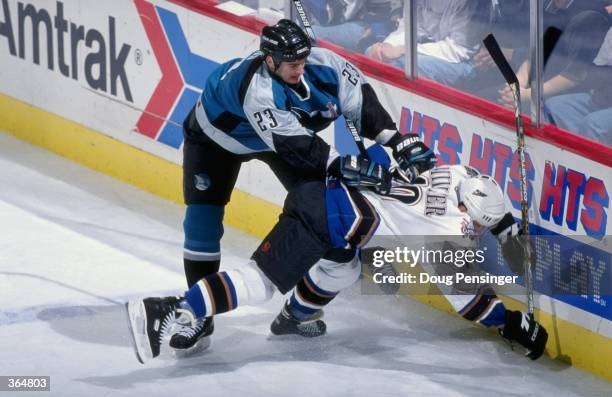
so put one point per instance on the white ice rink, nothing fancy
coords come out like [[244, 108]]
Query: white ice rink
[[75, 244]]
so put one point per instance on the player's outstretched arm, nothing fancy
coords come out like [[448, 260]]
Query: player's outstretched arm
[[509, 234]]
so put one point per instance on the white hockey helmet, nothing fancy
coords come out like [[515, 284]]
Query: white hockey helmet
[[483, 199]]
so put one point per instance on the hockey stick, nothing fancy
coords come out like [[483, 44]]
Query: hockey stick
[[550, 39], [310, 32], [510, 77]]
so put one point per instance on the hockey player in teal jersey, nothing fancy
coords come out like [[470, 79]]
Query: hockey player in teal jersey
[[269, 106], [318, 217]]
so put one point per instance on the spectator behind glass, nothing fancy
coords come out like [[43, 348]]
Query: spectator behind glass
[[584, 24], [510, 25], [353, 24], [588, 113], [449, 34]]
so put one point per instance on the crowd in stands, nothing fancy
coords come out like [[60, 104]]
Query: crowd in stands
[[577, 76]]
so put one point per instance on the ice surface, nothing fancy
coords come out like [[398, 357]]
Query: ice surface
[[75, 244]]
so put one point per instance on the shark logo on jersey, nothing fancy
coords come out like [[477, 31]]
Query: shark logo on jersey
[[202, 181], [316, 120]]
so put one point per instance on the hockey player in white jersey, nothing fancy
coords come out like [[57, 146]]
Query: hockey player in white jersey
[[446, 201], [317, 217]]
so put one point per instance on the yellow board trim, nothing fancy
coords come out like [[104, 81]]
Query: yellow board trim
[[122, 161], [580, 347], [567, 341]]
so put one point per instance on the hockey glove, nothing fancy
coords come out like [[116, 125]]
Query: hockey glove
[[523, 328], [513, 243], [359, 171], [412, 156]]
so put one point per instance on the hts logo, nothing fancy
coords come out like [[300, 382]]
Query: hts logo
[[101, 67]]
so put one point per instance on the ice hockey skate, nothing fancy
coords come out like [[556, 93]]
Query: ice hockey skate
[[149, 320], [287, 324], [190, 338]]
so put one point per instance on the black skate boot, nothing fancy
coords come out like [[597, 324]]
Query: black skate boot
[[287, 324], [149, 320], [192, 337], [522, 328]]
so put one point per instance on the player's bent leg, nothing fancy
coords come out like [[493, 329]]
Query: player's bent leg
[[218, 293], [295, 244], [151, 319], [207, 188], [203, 230], [302, 312], [298, 240], [225, 291]]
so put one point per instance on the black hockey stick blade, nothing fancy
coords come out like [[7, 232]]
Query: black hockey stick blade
[[499, 59]]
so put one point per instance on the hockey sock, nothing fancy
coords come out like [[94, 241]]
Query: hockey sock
[[197, 270], [225, 291], [203, 230], [307, 298]]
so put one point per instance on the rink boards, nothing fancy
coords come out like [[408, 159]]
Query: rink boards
[[108, 85]]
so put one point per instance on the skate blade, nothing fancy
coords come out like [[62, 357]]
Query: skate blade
[[137, 325], [293, 333], [202, 345]]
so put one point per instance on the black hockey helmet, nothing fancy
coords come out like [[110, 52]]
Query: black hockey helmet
[[285, 42]]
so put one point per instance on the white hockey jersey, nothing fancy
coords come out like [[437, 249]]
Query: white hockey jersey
[[429, 207], [412, 216]]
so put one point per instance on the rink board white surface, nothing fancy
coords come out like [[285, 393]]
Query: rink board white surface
[[160, 74]]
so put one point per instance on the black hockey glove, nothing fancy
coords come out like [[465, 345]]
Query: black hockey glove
[[359, 171], [523, 328], [412, 156], [513, 243]]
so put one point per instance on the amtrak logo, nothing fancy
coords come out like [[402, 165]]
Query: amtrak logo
[[201, 181]]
